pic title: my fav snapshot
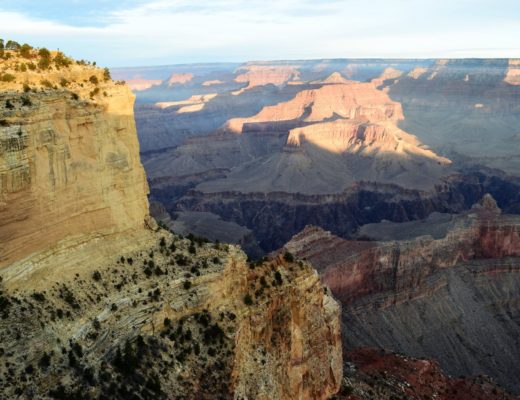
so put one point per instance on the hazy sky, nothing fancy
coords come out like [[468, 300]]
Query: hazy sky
[[136, 32]]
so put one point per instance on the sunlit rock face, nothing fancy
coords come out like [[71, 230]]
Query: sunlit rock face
[[68, 166], [179, 79], [451, 298], [322, 141], [261, 75], [139, 84]]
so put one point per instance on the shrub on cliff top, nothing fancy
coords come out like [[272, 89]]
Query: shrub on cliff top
[[248, 300], [44, 53], [26, 51], [61, 60], [12, 45], [288, 257], [106, 74], [7, 77]]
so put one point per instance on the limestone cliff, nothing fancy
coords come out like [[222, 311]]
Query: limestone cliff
[[97, 302], [69, 160]]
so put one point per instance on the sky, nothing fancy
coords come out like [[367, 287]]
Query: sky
[[161, 32]]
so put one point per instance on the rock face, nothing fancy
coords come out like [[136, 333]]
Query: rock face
[[96, 301], [513, 73], [179, 79], [68, 167], [346, 99], [466, 110], [452, 299], [286, 169], [275, 217], [326, 140], [139, 84]]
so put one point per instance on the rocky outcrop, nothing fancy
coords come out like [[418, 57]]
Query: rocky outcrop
[[179, 79], [452, 299], [322, 141], [139, 84], [171, 319], [352, 100], [193, 104], [513, 72]]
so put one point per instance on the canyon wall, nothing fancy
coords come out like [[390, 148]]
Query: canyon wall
[[453, 299], [275, 217], [69, 166]]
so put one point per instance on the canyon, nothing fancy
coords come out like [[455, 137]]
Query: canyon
[[399, 180], [333, 143], [415, 234]]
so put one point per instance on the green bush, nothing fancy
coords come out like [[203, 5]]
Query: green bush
[[26, 51], [248, 300], [12, 45], [46, 83], [26, 101], [288, 257], [44, 53], [95, 92], [106, 74], [7, 77], [61, 61]]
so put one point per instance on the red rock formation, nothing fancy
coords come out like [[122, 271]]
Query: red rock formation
[[392, 375], [452, 299], [353, 100], [259, 75], [179, 79], [355, 269]]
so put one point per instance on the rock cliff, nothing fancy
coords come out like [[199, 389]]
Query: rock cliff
[[453, 299], [69, 159], [98, 302]]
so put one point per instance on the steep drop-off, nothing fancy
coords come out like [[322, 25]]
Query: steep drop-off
[[453, 299], [69, 160]]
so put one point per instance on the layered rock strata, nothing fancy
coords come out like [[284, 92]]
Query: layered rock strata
[[69, 162], [171, 319], [453, 299]]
